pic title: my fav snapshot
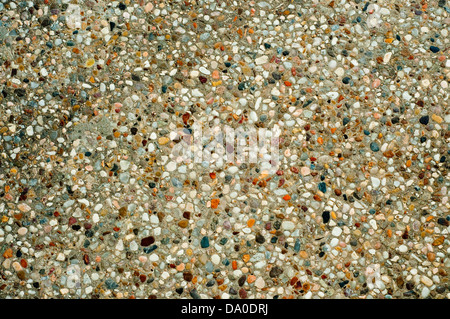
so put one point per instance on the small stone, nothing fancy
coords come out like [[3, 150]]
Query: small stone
[[260, 283], [426, 281], [183, 223], [403, 248], [147, 241], [8, 253], [337, 231], [260, 238], [374, 147], [424, 120], [163, 140], [434, 49], [305, 171], [275, 272], [326, 217], [437, 118], [204, 242], [148, 7]]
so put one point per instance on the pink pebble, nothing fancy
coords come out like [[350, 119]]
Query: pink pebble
[[376, 83], [215, 75]]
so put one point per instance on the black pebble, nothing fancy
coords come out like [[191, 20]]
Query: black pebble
[[260, 239], [20, 92], [326, 216], [241, 280], [46, 22], [424, 120], [275, 272], [443, 222], [179, 290]]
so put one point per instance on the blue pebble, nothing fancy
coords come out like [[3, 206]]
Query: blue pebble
[[297, 246], [434, 49], [209, 267], [148, 250], [322, 187], [374, 147], [204, 243], [176, 182], [111, 284]]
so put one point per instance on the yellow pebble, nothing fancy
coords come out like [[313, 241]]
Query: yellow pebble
[[436, 118], [90, 63], [163, 140]]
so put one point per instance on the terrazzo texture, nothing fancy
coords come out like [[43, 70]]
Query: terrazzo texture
[[94, 205]]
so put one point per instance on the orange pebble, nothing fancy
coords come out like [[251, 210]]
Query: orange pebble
[[234, 264], [23, 263], [250, 222], [287, 197], [215, 75], [251, 279], [180, 267], [215, 202], [320, 140], [303, 254], [8, 253]]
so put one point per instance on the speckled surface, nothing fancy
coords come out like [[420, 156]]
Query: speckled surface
[[95, 203]]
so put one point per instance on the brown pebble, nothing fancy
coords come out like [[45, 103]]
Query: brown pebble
[[21, 274], [147, 241], [439, 241], [388, 154], [187, 276], [431, 256], [400, 282], [187, 215], [183, 223], [123, 211]]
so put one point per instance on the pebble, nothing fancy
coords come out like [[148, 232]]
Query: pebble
[[336, 231]]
